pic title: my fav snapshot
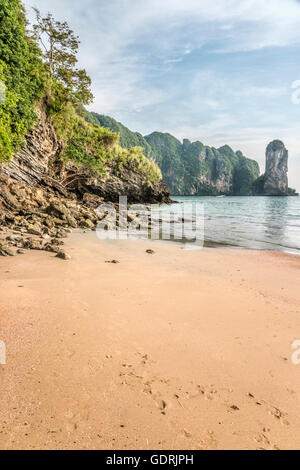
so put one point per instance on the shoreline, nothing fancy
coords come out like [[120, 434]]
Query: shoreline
[[271, 224], [211, 244], [180, 349]]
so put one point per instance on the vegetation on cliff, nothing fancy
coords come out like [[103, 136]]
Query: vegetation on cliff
[[196, 169], [245, 174], [128, 139], [32, 76], [189, 168], [131, 148]]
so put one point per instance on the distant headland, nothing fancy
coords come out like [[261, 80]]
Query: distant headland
[[194, 169]]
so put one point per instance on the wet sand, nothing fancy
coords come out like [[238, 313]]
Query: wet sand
[[175, 350]]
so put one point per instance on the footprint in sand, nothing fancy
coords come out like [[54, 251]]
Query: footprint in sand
[[209, 393], [272, 410], [156, 397], [209, 442], [162, 405], [280, 415], [187, 434], [262, 439], [145, 359]]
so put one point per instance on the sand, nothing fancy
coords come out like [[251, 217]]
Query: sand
[[175, 350]]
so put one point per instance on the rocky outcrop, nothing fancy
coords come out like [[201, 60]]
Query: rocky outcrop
[[41, 211], [274, 182], [276, 174], [38, 219], [89, 186], [34, 218], [30, 165], [43, 198]]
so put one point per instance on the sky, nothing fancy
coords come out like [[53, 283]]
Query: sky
[[218, 71]]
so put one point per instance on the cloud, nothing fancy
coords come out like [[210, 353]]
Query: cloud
[[124, 40]]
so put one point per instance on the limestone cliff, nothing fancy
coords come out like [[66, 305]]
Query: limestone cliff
[[31, 164], [190, 168], [276, 179], [274, 182]]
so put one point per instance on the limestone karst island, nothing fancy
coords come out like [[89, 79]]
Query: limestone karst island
[[149, 227]]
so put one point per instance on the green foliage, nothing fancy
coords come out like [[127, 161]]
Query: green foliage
[[168, 156], [245, 173], [135, 159], [258, 186], [128, 139], [188, 167], [167, 148], [275, 145], [207, 190], [192, 168], [60, 46], [24, 75], [95, 147], [229, 157], [86, 144], [89, 146], [131, 151]]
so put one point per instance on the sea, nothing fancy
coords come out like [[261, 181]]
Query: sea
[[260, 223]]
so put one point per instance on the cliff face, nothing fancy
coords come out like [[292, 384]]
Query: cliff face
[[127, 181], [190, 168], [276, 179], [38, 163], [31, 164], [193, 169], [274, 182], [222, 179]]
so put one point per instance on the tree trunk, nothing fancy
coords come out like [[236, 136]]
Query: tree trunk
[[51, 58]]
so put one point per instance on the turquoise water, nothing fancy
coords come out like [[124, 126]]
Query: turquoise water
[[265, 223]]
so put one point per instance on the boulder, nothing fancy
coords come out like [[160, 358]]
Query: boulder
[[35, 230], [57, 210], [5, 251]]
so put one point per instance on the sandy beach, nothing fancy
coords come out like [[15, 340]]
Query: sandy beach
[[173, 350]]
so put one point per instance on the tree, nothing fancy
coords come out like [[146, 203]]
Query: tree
[[60, 46]]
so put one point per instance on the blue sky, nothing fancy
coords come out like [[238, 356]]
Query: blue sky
[[217, 71]]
